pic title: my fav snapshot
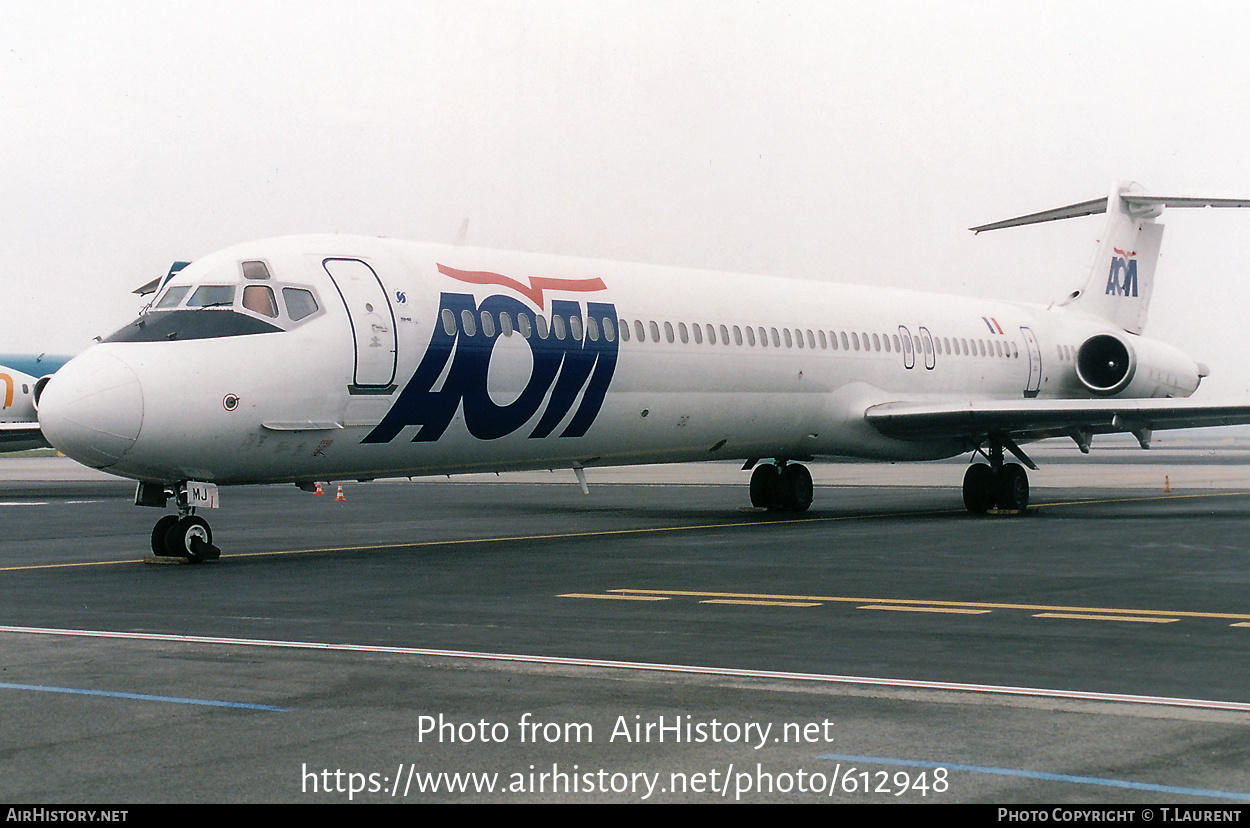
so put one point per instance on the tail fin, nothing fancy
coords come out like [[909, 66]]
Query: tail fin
[[1121, 276]]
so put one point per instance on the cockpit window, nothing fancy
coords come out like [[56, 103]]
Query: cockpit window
[[299, 303], [239, 309], [260, 299], [173, 296], [255, 270], [209, 296]]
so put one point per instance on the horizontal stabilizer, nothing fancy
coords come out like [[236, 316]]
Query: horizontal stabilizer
[[1138, 203], [1142, 200], [1085, 208]]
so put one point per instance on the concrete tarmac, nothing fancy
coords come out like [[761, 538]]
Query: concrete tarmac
[[653, 641]]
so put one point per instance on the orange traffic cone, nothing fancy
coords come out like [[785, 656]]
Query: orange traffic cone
[[1167, 487], [338, 498], [318, 490]]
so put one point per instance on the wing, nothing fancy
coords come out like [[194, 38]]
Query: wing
[[21, 436], [975, 421]]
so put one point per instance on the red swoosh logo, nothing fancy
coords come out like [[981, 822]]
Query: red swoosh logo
[[533, 291]]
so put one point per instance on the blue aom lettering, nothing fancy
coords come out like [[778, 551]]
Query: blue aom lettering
[[1122, 279], [566, 367]]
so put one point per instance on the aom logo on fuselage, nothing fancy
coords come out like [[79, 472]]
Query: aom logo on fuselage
[[1122, 278], [565, 363], [533, 291]]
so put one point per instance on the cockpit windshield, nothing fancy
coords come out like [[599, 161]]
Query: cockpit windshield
[[172, 296], [211, 296], [199, 308]]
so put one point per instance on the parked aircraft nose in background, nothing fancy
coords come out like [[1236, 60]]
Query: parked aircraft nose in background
[[22, 377]]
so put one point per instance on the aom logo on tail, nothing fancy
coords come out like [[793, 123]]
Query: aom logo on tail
[[1122, 278]]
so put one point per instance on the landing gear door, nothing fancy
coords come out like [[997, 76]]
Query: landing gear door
[[1035, 363], [373, 324]]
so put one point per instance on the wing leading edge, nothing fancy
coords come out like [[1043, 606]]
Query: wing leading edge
[[977, 421]]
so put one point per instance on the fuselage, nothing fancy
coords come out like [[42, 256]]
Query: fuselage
[[333, 357]]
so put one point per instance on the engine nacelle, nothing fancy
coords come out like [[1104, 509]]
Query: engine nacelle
[[1108, 364]]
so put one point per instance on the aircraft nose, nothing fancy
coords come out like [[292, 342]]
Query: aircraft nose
[[92, 409]]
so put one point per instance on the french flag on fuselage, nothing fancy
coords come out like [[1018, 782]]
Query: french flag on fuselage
[[992, 324]]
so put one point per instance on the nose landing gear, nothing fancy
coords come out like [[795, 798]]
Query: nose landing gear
[[184, 535]]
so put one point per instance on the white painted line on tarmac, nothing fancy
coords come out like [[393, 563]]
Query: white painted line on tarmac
[[45, 502], [909, 684]]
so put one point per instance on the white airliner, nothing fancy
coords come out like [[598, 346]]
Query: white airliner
[[22, 376], [326, 358]]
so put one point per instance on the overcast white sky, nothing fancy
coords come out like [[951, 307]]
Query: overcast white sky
[[830, 140]]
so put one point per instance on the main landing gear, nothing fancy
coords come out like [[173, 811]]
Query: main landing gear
[[998, 485], [185, 535], [784, 487]]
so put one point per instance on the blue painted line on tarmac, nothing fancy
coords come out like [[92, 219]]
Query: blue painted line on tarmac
[[144, 697], [1051, 777]]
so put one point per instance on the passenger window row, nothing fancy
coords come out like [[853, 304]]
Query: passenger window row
[[470, 322], [753, 336]]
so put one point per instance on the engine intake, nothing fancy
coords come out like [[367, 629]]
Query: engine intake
[[38, 390], [1105, 364]]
